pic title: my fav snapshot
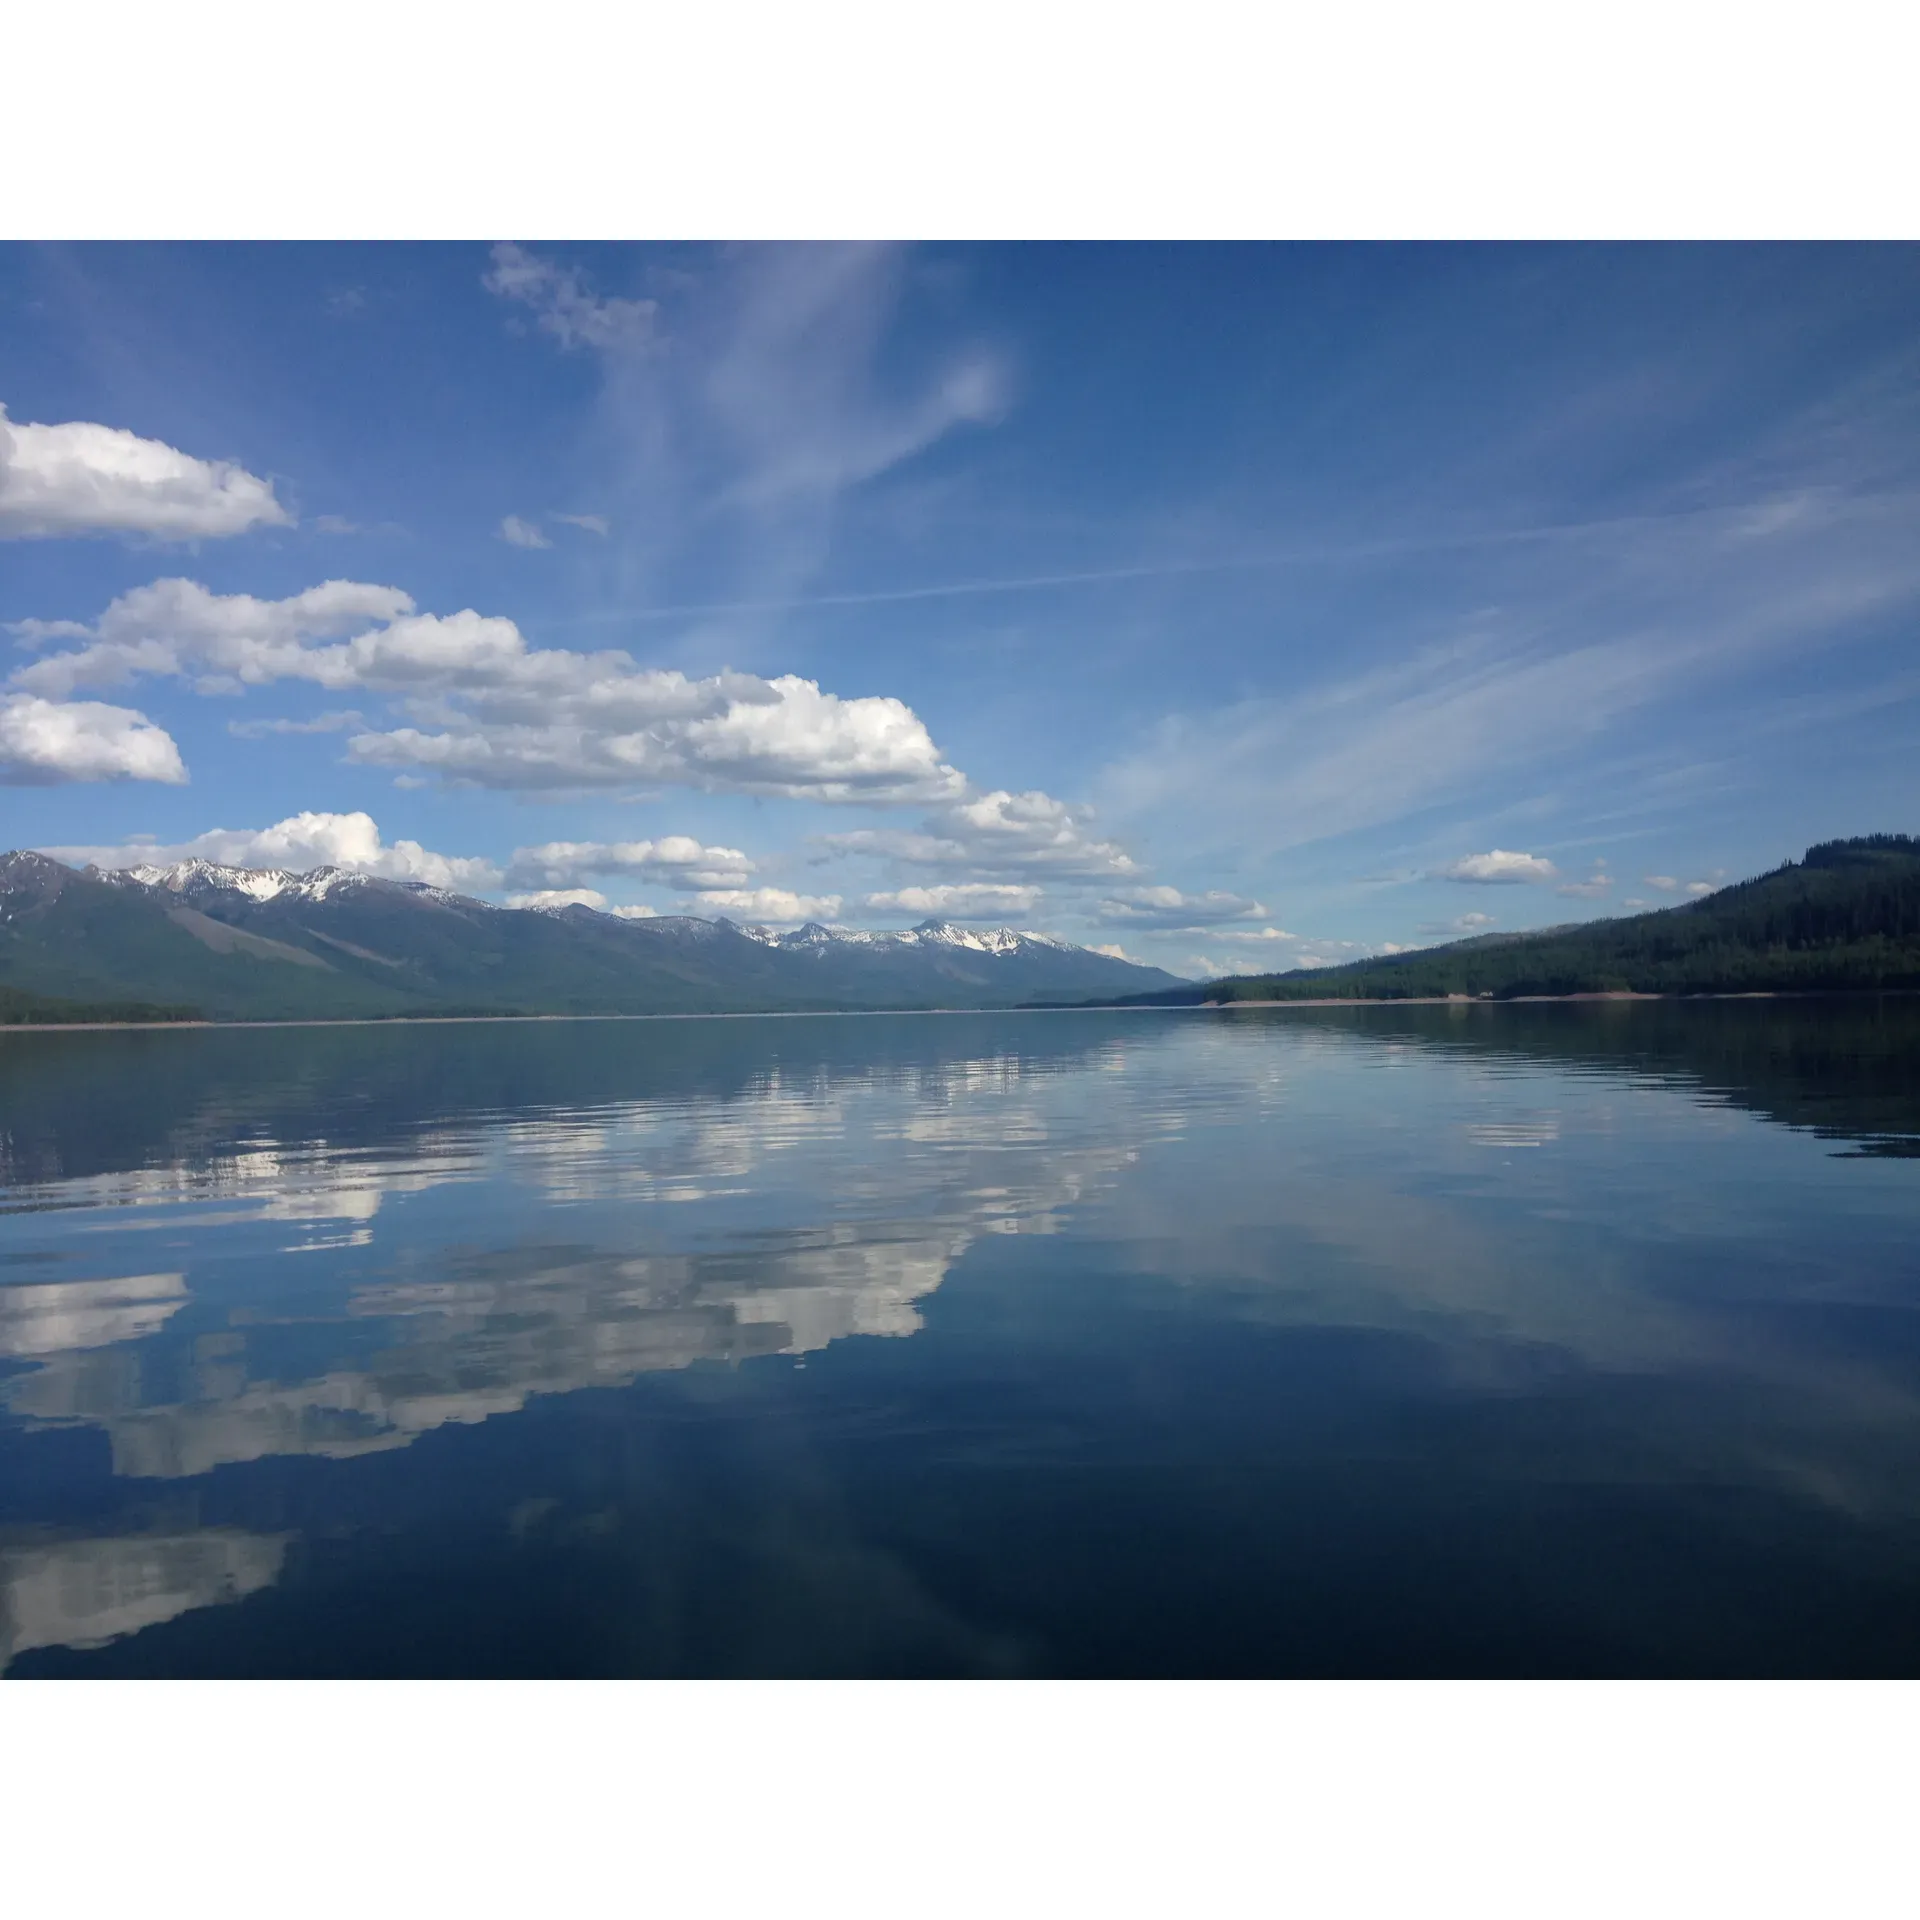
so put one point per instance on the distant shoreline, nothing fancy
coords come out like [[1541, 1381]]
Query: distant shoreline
[[875, 1013], [529, 1019], [1488, 1000], [1569, 999]]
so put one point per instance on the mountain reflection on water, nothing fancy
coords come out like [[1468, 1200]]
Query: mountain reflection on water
[[1471, 1339]]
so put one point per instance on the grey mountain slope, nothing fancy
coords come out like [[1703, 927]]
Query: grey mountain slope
[[251, 944]]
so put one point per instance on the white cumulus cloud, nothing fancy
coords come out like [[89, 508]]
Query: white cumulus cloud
[[500, 713], [83, 478], [988, 836], [966, 901], [771, 906], [674, 860], [1499, 868], [46, 743], [298, 844], [177, 629]]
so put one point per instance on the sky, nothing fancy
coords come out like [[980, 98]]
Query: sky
[[1230, 607]]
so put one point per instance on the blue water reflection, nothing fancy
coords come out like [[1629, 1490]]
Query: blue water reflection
[[1421, 1340]]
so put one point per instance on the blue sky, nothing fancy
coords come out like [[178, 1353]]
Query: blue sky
[[1239, 606]]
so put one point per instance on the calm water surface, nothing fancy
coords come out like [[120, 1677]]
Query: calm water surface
[[1520, 1340]]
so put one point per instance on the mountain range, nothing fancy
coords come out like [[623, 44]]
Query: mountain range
[[198, 940]]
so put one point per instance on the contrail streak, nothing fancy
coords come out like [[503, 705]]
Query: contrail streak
[[1174, 569]]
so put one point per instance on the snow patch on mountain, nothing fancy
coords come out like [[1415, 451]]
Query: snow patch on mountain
[[929, 935], [200, 878]]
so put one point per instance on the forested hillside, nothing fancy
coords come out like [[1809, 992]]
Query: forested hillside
[[1847, 916]]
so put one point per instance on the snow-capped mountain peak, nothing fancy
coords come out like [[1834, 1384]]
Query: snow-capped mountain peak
[[928, 936], [188, 877], [265, 942], [202, 878], [206, 881]]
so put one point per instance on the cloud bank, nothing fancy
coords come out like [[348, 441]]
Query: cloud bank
[[493, 711]]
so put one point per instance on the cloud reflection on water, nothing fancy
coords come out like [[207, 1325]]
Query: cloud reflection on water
[[869, 1193], [465, 1255]]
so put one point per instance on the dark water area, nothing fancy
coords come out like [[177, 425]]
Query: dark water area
[[1472, 1341]]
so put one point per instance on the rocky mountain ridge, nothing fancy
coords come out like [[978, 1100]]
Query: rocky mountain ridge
[[241, 942]]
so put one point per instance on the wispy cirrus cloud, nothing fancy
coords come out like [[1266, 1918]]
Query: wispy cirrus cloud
[[1586, 637], [565, 304], [746, 392], [517, 532], [1169, 908]]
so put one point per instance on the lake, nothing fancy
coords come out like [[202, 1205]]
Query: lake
[[1473, 1340]]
